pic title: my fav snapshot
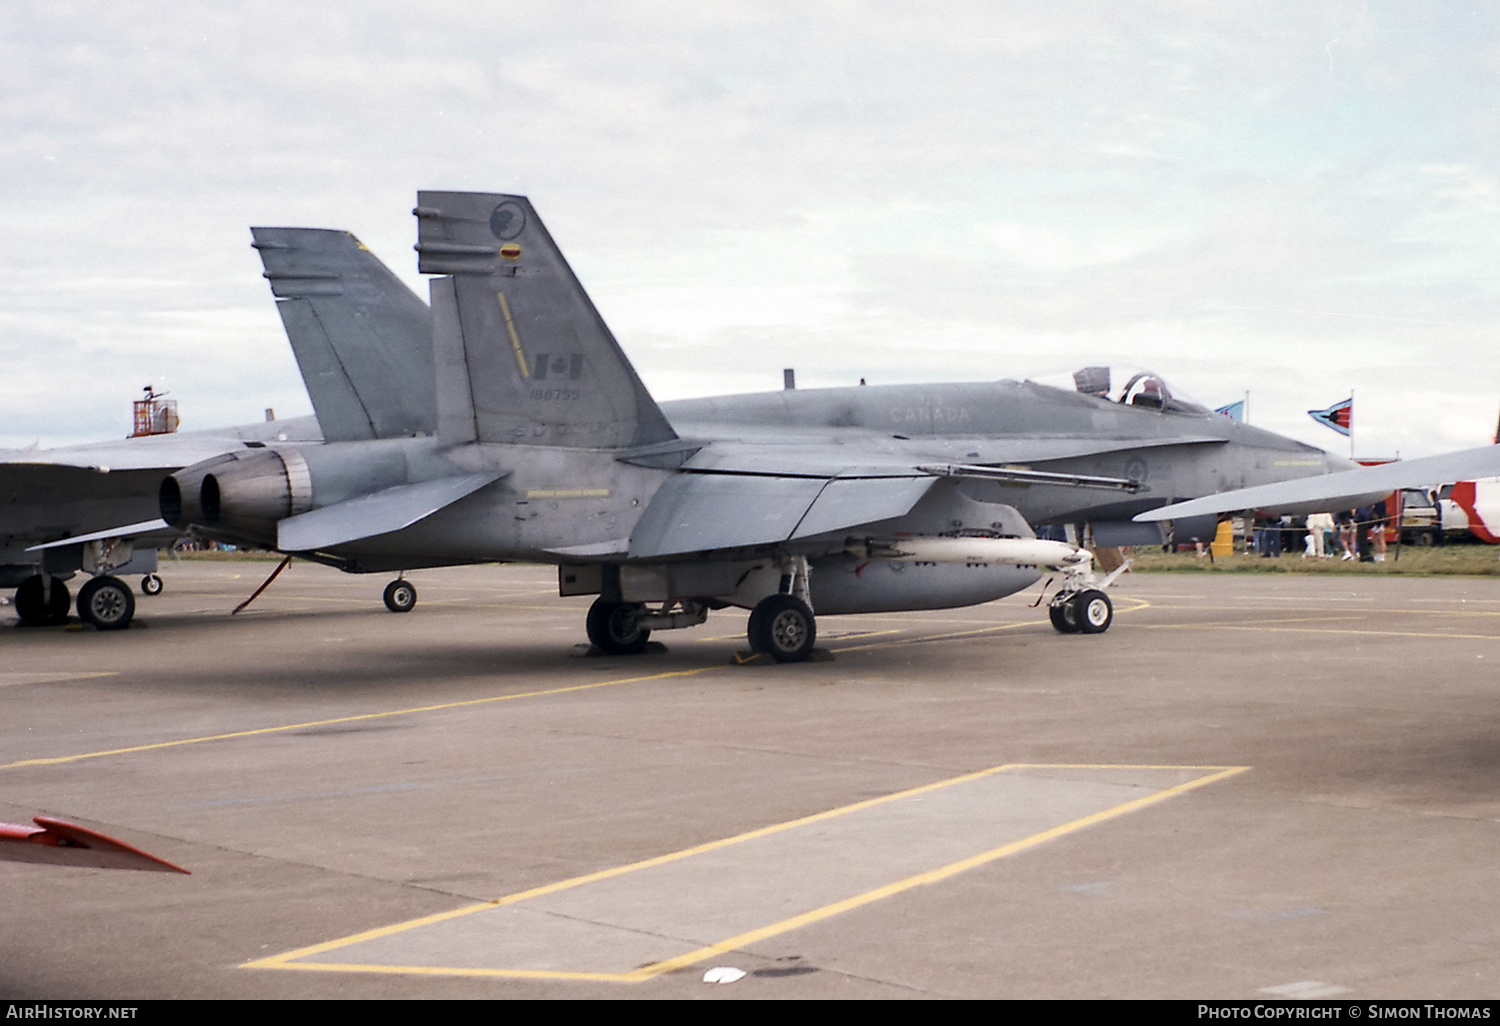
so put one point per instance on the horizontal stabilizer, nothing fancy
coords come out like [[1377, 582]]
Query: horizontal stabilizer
[[377, 513], [1344, 490], [145, 527], [57, 842]]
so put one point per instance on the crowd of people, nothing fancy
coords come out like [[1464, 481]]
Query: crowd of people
[[1356, 534]]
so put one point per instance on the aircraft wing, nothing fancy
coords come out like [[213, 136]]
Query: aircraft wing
[[1344, 490], [59, 842], [743, 495], [162, 452], [700, 512]]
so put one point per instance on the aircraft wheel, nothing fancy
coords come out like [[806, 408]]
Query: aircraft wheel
[[400, 596], [1064, 617], [107, 603], [783, 627], [612, 626], [35, 610], [151, 585], [1093, 612]]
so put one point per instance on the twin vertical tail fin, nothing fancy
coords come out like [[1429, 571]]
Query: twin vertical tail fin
[[361, 337], [521, 354]]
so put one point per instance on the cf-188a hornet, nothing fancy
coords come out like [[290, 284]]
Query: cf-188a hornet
[[546, 447]]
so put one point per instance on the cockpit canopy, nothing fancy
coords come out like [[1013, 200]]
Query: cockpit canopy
[[1128, 386]]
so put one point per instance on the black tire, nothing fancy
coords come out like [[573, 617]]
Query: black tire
[[783, 627], [107, 603], [34, 611], [1063, 617], [151, 585], [400, 596], [1093, 612], [612, 626]]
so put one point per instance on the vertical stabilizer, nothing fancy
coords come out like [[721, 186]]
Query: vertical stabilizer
[[522, 355], [363, 340]]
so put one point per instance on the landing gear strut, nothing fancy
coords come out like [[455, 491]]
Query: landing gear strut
[[43, 601], [782, 625]]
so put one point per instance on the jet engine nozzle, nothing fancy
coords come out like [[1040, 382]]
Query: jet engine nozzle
[[245, 495], [179, 493]]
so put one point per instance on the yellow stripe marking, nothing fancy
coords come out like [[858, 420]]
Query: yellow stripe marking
[[286, 960], [58, 760], [12, 678], [515, 340], [1342, 631]]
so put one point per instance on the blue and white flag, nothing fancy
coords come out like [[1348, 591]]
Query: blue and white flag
[[1339, 416], [1234, 411]]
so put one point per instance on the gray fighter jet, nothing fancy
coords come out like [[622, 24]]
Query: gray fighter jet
[[350, 322], [548, 448]]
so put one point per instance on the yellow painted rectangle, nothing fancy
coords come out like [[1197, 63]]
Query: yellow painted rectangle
[[640, 920]]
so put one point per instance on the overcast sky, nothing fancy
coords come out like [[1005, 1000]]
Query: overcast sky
[[1291, 199]]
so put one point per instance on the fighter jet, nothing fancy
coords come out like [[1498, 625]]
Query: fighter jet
[[547, 447], [95, 508]]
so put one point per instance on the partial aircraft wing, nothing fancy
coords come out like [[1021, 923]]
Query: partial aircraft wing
[[163, 452], [59, 842], [1345, 490]]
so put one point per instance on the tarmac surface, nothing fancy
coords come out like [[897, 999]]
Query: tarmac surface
[[1252, 786]]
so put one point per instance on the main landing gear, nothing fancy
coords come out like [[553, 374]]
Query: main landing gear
[[616, 627], [107, 603], [104, 601], [782, 626], [43, 601]]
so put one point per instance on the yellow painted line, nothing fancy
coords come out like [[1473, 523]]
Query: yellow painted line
[[11, 678], [515, 340], [1344, 632], [934, 875], [288, 960], [58, 760]]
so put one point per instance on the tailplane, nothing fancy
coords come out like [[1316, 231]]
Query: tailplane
[[361, 337], [521, 354]]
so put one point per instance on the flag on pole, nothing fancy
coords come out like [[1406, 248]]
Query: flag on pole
[[1339, 416], [1234, 411]]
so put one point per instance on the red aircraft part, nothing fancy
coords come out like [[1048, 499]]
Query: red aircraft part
[[1466, 494], [57, 842]]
